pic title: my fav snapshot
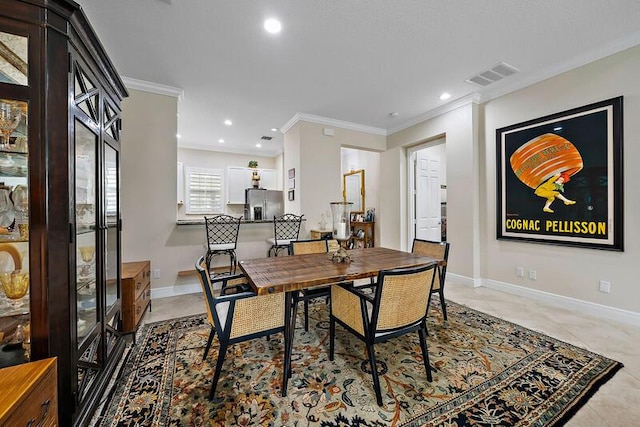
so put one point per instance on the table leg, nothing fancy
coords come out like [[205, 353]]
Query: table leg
[[288, 342]]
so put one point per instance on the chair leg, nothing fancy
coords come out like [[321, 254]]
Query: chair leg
[[209, 341], [442, 303], [306, 315], [332, 335], [374, 374], [216, 376], [422, 332], [294, 312]]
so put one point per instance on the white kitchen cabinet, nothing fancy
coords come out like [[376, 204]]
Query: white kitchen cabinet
[[236, 184], [269, 179]]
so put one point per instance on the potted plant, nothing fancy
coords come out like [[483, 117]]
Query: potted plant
[[253, 164]]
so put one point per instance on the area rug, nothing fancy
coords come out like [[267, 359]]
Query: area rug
[[486, 371]]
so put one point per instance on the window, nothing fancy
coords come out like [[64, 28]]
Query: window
[[204, 190]]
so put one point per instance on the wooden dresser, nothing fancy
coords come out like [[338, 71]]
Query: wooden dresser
[[29, 394], [136, 293]]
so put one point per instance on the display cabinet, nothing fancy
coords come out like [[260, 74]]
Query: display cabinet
[[59, 200]]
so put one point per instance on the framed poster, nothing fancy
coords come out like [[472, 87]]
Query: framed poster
[[559, 178]]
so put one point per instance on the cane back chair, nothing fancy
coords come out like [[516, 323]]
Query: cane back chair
[[439, 251], [238, 317], [397, 306]]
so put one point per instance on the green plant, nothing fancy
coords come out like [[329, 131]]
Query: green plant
[[253, 164]]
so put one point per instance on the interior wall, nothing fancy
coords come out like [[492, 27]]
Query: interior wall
[[568, 271], [460, 132], [148, 189]]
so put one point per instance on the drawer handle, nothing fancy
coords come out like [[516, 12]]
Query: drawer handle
[[45, 410], [138, 284]]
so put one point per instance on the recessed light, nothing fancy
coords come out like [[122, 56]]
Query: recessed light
[[274, 129], [445, 95], [178, 135], [228, 122], [221, 141], [272, 26], [258, 145]]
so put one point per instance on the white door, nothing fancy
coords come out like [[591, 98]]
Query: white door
[[427, 196]]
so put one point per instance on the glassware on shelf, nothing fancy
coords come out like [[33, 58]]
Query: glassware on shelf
[[10, 116], [15, 285], [86, 253], [340, 213], [20, 197]]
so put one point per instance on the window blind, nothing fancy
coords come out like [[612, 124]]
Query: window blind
[[204, 190]]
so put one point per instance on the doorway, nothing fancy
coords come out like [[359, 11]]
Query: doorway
[[427, 192]]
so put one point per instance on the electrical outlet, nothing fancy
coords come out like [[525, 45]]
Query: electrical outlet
[[520, 271], [156, 274], [605, 286], [532, 275]]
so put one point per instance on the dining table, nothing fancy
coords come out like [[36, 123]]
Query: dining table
[[291, 274]]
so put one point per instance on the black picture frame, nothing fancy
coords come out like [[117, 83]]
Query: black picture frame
[[583, 147], [291, 195]]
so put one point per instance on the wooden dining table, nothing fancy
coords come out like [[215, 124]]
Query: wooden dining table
[[291, 274]]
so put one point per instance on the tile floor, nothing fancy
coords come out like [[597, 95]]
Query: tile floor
[[617, 403]]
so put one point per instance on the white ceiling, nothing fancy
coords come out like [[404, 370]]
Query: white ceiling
[[344, 60]]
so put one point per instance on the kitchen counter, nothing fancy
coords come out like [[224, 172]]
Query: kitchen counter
[[243, 221]]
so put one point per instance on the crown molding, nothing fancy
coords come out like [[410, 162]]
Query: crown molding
[[473, 98], [221, 148], [153, 87], [331, 122]]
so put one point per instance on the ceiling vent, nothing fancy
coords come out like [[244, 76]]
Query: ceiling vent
[[492, 75], [267, 138]]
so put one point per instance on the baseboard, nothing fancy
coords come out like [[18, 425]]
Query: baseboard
[[604, 311], [599, 310]]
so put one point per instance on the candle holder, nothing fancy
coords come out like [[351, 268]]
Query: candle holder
[[340, 213]]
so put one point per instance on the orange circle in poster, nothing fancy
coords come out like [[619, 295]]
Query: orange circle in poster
[[543, 157]]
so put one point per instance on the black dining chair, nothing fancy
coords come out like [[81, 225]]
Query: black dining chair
[[286, 229], [222, 238], [238, 317], [301, 247], [397, 306], [439, 251]]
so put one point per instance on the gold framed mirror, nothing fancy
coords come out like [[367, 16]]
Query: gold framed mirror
[[353, 190]]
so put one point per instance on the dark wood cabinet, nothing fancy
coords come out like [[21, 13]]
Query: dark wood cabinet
[[59, 162], [363, 234]]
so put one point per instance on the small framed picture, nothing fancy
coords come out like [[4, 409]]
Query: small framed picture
[[291, 195], [292, 183], [292, 173]]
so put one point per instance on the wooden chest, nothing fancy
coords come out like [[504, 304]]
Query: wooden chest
[[29, 394], [136, 293]]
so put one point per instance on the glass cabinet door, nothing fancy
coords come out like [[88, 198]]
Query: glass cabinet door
[[111, 220], [86, 143], [14, 233]]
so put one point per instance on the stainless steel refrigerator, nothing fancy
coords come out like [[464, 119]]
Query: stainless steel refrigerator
[[263, 204]]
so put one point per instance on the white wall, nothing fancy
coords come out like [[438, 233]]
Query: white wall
[[571, 272], [460, 130]]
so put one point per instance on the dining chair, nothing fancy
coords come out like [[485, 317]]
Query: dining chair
[[286, 229], [222, 238], [397, 306], [238, 317], [439, 251], [301, 247]]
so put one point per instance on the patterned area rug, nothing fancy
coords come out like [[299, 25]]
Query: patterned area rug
[[485, 372]]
